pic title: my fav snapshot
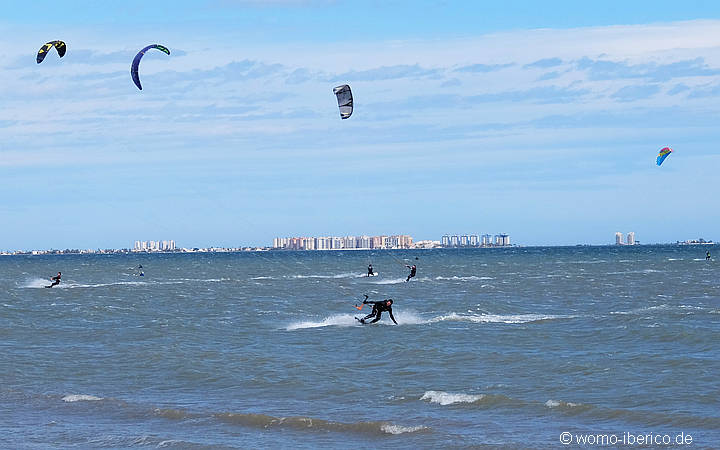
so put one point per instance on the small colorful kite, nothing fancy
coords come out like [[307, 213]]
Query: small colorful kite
[[663, 154]]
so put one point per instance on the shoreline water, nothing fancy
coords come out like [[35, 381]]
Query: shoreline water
[[502, 347]]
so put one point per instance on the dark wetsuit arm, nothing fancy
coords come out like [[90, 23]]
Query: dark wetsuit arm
[[391, 316]]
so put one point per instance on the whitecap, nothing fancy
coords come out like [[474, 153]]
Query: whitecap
[[556, 403], [399, 429], [80, 398], [449, 398], [468, 278]]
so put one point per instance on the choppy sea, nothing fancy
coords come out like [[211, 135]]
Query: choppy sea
[[498, 347]]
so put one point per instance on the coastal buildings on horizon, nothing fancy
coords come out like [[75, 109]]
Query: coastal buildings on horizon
[[630, 239], [402, 241], [475, 240], [149, 246]]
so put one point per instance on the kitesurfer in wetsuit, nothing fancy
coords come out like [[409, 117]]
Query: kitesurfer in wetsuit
[[413, 270], [370, 271], [707, 256], [378, 308], [55, 280]]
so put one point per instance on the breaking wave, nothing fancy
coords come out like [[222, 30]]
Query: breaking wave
[[80, 398], [312, 424], [449, 398]]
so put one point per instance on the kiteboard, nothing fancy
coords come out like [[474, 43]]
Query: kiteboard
[[374, 274], [360, 320]]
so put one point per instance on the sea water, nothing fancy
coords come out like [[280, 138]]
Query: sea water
[[508, 347]]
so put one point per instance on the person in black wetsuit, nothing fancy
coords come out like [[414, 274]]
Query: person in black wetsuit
[[707, 256], [55, 280], [378, 308], [413, 270], [370, 271]]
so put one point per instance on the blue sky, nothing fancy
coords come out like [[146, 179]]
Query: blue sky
[[538, 119]]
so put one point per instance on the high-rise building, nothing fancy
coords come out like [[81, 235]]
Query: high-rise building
[[454, 240], [377, 241], [631, 238], [363, 242], [337, 243], [309, 243], [349, 242], [445, 241], [486, 240], [405, 241], [474, 241], [618, 238], [464, 240]]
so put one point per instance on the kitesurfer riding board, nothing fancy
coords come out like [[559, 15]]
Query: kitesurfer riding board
[[377, 309], [55, 280]]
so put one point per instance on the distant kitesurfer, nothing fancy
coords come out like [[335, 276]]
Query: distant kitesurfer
[[413, 270], [377, 310], [707, 256], [55, 280], [370, 271]]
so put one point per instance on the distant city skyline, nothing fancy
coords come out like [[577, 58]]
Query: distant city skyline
[[540, 119], [344, 242], [149, 246], [475, 240]]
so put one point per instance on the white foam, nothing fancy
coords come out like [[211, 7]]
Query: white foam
[[470, 278], [405, 317], [348, 320], [338, 320], [80, 398], [449, 398], [556, 403], [331, 276], [497, 318], [399, 429], [402, 280], [390, 281], [36, 283]]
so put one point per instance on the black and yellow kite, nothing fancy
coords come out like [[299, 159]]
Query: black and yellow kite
[[59, 46]]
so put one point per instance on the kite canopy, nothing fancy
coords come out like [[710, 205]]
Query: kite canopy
[[136, 62], [345, 100], [663, 154], [59, 46]]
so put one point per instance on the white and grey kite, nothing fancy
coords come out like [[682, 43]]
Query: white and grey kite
[[345, 100]]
